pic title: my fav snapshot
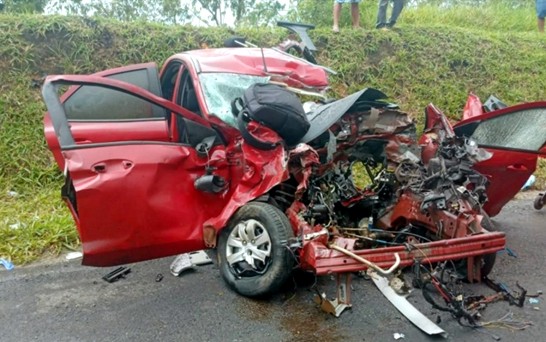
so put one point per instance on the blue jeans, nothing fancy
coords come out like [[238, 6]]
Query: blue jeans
[[397, 7], [541, 9]]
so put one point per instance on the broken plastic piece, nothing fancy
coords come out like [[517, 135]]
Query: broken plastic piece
[[511, 252], [534, 301], [7, 264], [200, 258], [73, 255], [116, 274], [187, 261], [398, 336], [181, 264]]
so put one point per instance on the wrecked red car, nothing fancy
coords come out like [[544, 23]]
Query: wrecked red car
[[156, 165]]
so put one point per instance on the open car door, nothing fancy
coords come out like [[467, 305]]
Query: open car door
[[96, 118], [132, 196], [515, 135]]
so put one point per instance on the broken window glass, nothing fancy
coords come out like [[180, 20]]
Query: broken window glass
[[522, 130], [90, 103], [220, 89]]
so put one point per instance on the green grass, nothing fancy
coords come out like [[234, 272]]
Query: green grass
[[434, 56], [493, 18], [34, 223]]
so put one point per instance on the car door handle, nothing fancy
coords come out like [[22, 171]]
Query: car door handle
[[99, 168], [517, 167], [83, 141]]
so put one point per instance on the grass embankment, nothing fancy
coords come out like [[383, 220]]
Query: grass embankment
[[417, 64]]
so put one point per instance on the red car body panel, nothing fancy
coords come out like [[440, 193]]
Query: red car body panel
[[102, 132], [257, 61], [509, 168], [507, 172], [473, 107], [155, 209]]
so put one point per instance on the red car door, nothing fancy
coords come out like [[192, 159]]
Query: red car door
[[99, 124], [133, 197], [515, 135]]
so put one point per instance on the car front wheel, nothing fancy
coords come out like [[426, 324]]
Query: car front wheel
[[253, 254]]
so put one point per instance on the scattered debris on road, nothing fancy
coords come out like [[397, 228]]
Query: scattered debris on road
[[74, 255], [343, 299], [398, 336], [187, 261], [514, 298], [406, 308], [181, 264], [117, 274]]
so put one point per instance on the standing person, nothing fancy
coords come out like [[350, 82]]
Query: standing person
[[397, 7], [355, 13], [541, 14]]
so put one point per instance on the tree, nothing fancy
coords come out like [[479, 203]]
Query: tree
[[238, 12], [22, 6], [206, 12]]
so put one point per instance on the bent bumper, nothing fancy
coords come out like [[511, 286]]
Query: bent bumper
[[317, 257]]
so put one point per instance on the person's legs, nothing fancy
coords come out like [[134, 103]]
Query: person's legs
[[541, 14], [397, 7], [382, 14], [355, 14], [337, 14]]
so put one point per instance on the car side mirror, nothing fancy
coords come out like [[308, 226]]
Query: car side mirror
[[210, 183], [205, 146]]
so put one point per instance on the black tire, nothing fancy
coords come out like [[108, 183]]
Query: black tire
[[262, 278], [539, 201]]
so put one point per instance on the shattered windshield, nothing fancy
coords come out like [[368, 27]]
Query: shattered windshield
[[220, 89]]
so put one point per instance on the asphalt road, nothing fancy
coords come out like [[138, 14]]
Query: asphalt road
[[67, 302]]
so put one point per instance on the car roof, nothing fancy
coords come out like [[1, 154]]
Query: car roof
[[250, 61]]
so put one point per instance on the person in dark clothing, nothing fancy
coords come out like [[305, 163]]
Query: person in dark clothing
[[397, 7]]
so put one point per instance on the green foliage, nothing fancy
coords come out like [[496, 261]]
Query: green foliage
[[34, 222], [481, 15], [204, 12], [22, 6], [540, 173], [426, 60]]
